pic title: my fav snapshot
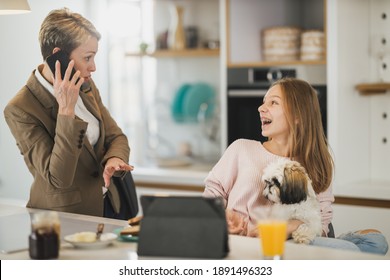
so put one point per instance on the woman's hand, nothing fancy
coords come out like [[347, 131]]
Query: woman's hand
[[112, 165], [236, 223], [66, 91]]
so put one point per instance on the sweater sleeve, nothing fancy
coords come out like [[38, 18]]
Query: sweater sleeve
[[221, 178], [326, 199]]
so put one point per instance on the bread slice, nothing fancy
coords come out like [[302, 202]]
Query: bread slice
[[135, 221], [133, 230]]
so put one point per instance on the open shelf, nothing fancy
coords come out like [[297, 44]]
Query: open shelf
[[373, 88], [178, 53], [277, 63]]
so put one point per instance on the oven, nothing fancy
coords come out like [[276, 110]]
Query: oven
[[246, 89]]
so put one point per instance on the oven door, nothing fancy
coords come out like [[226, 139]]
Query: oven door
[[243, 116]]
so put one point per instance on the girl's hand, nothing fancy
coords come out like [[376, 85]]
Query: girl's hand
[[112, 165], [66, 91], [236, 223]]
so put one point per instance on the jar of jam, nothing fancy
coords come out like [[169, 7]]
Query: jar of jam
[[44, 240]]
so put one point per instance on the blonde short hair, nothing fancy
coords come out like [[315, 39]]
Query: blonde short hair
[[66, 30]]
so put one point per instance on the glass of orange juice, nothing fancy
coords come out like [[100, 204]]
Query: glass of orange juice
[[272, 229], [273, 236]]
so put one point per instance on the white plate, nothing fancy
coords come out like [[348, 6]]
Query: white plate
[[105, 240]]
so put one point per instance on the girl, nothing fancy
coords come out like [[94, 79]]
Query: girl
[[291, 120]]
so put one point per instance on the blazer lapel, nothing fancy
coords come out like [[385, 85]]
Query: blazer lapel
[[89, 101], [91, 105]]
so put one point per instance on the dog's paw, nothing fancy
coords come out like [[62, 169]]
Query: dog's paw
[[303, 234], [302, 239]]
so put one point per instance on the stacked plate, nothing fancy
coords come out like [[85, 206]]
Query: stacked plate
[[193, 102]]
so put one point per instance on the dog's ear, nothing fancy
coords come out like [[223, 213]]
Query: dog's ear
[[294, 187]]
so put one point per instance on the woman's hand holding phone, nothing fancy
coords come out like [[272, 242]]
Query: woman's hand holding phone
[[66, 89]]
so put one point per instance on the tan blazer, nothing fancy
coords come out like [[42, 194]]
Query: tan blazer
[[66, 169]]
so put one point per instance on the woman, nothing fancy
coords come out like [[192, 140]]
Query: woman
[[70, 143], [291, 120]]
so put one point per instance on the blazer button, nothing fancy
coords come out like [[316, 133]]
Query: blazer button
[[95, 174], [80, 146], [82, 131]]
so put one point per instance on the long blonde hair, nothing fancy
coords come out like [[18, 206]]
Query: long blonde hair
[[307, 141]]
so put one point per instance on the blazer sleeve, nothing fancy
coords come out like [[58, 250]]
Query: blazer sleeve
[[47, 154]]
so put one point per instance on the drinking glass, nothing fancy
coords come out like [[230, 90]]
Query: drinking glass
[[272, 229]]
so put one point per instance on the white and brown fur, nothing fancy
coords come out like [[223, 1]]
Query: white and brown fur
[[287, 183]]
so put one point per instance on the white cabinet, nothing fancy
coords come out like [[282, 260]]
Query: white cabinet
[[359, 125], [351, 218]]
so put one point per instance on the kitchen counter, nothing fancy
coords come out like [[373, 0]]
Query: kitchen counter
[[371, 194], [189, 177], [244, 248], [367, 190]]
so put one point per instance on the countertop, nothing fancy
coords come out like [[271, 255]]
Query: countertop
[[188, 176], [241, 248], [363, 190]]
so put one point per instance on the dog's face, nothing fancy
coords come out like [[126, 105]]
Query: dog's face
[[286, 182]]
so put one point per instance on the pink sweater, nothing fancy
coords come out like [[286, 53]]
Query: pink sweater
[[237, 179]]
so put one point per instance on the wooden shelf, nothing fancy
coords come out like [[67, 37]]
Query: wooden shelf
[[373, 88], [277, 63], [178, 53]]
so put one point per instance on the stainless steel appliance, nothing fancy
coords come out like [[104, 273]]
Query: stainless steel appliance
[[246, 89]]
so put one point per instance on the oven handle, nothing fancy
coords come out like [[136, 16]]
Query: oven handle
[[245, 92]]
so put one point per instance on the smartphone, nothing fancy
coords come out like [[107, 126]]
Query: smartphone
[[63, 58]]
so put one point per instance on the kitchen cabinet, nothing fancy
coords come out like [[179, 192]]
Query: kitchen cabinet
[[359, 126], [347, 218], [246, 20]]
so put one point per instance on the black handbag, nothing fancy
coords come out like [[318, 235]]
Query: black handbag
[[127, 195], [183, 226]]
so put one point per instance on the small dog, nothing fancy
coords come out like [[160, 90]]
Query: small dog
[[287, 184]]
